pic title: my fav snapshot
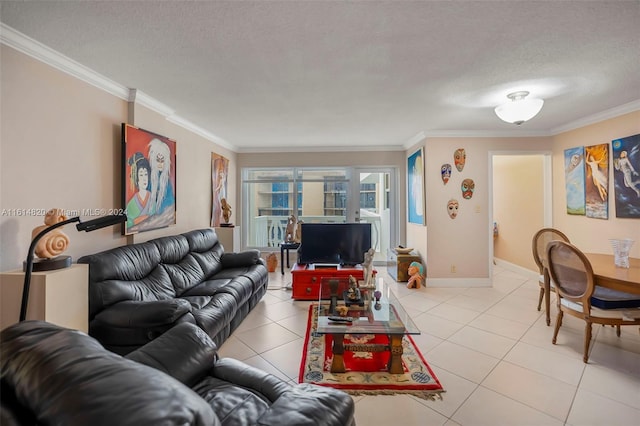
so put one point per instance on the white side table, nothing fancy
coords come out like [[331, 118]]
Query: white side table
[[60, 297], [229, 237]]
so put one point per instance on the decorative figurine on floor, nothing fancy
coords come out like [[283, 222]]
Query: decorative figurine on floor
[[272, 262], [416, 275], [290, 232]]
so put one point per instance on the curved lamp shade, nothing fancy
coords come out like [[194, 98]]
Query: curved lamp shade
[[519, 109]]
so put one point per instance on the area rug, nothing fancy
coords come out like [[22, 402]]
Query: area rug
[[366, 373]]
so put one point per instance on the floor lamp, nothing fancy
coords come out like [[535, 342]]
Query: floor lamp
[[88, 226]]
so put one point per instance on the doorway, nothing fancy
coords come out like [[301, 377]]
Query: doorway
[[521, 204], [375, 202]]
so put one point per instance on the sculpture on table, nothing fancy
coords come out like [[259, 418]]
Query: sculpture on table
[[290, 232], [367, 267], [226, 212], [55, 242], [416, 275], [353, 293]]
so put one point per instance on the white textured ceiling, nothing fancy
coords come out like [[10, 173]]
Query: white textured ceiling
[[318, 74]]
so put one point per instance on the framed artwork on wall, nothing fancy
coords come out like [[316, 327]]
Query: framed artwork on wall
[[574, 180], [626, 176], [596, 163], [219, 172], [148, 180], [415, 187]]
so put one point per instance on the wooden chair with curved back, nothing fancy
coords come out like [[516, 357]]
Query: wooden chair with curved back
[[574, 281], [539, 247]]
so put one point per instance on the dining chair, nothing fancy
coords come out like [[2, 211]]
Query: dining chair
[[539, 247], [576, 288]]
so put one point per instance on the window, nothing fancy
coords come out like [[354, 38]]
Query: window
[[320, 195]]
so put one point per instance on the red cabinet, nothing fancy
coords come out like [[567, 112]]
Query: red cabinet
[[306, 279]]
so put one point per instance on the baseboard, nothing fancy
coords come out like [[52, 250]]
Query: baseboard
[[516, 268], [458, 282]]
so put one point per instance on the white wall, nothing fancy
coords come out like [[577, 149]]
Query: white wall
[[61, 146]]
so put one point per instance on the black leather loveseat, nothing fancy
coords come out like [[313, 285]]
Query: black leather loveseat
[[139, 291], [51, 375]]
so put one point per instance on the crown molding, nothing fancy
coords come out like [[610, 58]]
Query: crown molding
[[43, 53], [595, 118], [193, 128], [329, 148]]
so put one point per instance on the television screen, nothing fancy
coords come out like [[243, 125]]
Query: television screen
[[334, 243]]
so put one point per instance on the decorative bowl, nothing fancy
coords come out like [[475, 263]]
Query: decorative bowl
[[403, 250]]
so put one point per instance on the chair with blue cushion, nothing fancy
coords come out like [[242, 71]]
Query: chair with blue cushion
[[578, 295], [539, 249]]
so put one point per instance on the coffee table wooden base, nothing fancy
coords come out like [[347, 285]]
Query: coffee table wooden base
[[394, 347]]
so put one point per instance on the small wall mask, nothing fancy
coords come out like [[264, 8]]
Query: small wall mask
[[459, 158], [452, 208], [467, 187], [445, 170]]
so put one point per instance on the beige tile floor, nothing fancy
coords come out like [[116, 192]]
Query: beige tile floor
[[490, 348]]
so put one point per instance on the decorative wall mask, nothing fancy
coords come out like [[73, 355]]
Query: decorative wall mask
[[459, 158], [445, 170], [452, 208], [467, 187]]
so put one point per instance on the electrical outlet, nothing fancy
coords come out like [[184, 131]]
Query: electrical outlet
[[453, 269]]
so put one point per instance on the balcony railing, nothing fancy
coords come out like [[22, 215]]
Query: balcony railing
[[269, 231]]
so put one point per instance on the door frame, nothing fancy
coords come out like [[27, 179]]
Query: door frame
[[353, 202]]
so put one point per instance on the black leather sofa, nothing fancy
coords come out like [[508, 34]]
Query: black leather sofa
[[139, 291], [51, 375]]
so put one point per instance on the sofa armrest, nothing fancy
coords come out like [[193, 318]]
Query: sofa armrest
[[243, 258], [144, 314], [185, 352], [241, 374], [307, 404]]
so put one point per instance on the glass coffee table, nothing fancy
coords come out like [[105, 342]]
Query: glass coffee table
[[376, 311]]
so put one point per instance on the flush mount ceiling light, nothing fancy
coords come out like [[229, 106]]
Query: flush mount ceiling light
[[519, 109]]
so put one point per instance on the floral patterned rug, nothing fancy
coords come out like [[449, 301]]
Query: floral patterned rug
[[366, 373]]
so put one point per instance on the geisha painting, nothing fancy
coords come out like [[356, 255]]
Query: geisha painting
[[149, 180]]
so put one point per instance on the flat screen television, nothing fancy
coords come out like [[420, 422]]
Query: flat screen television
[[334, 243]]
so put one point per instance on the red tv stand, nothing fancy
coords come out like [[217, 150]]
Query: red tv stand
[[306, 278]]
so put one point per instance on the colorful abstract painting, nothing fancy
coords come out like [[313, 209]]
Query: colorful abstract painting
[[597, 180], [626, 176], [574, 180]]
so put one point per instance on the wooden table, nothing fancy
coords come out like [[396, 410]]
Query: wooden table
[[606, 274]]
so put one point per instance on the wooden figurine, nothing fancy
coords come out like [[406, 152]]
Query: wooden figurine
[[226, 210], [290, 232]]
